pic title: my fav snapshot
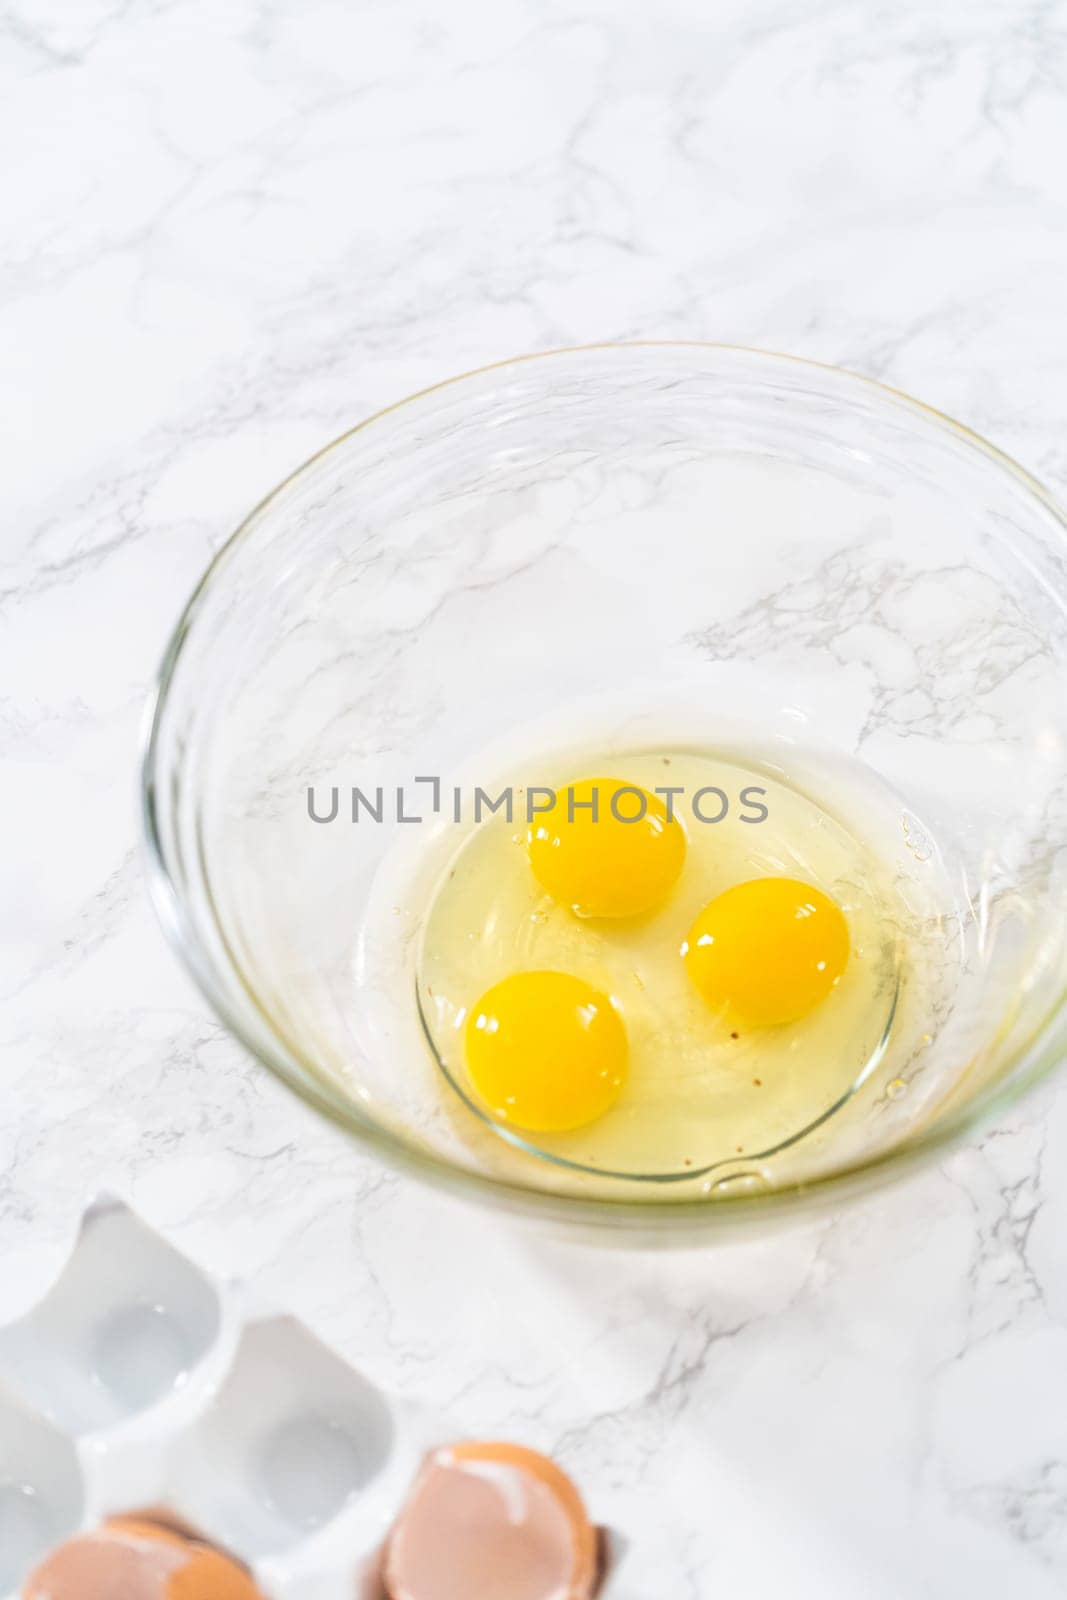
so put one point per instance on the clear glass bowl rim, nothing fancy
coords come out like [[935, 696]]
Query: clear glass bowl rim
[[678, 1219]]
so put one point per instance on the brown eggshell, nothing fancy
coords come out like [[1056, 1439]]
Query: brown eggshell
[[211, 1576], [132, 1558], [491, 1518]]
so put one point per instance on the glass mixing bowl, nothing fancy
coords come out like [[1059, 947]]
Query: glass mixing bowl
[[756, 550]]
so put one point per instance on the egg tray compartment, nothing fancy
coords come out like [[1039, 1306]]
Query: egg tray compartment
[[139, 1383]]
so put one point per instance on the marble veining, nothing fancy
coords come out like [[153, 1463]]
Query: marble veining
[[229, 233]]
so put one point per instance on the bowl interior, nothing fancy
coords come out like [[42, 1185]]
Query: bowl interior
[[631, 545]]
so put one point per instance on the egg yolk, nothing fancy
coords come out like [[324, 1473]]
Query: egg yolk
[[606, 848], [769, 950], [546, 1051]]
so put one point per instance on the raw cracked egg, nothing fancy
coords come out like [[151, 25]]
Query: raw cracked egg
[[606, 848], [546, 1051], [659, 1001], [769, 950]]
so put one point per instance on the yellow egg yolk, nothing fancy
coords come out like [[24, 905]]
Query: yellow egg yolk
[[769, 950], [546, 1051], [606, 848]]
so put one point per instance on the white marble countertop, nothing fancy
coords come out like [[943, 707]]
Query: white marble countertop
[[230, 231]]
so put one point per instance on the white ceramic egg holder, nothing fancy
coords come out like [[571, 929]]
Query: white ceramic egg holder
[[140, 1383]]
